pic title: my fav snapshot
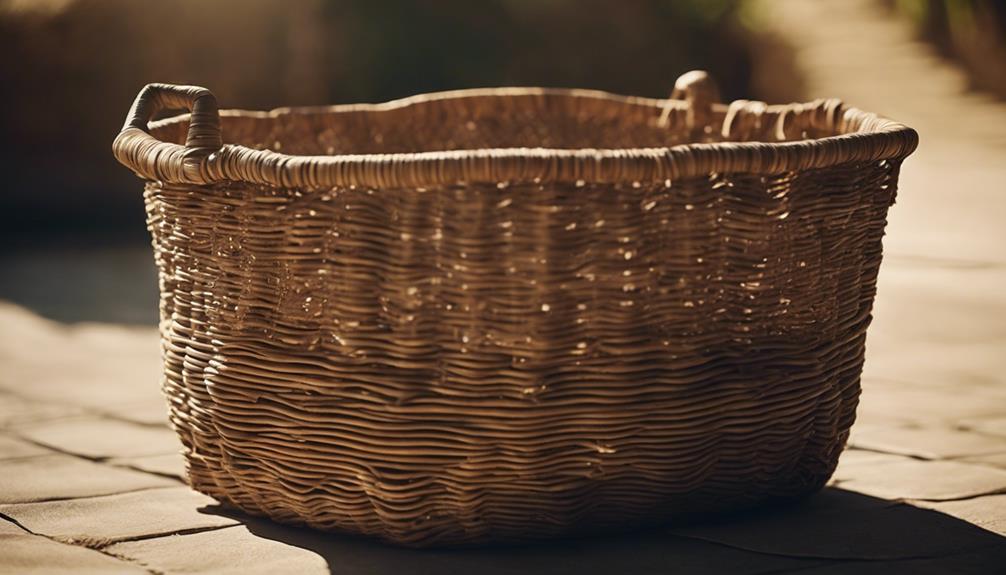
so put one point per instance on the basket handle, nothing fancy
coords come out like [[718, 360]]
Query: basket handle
[[153, 159], [699, 89]]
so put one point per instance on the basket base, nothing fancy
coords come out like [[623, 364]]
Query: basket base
[[604, 515]]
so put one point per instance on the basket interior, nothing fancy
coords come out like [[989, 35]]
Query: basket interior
[[481, 119]]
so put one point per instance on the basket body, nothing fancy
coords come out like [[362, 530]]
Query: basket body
[[473, 361]]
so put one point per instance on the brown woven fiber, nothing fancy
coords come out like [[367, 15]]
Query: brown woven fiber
[[506, 314]]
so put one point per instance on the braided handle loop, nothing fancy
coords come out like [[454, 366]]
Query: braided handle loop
[[699, 90], [153, 159]]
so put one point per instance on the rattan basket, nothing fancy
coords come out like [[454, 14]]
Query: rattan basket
[[505, 314]]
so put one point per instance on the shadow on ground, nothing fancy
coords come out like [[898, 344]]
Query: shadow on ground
[[836, 531]]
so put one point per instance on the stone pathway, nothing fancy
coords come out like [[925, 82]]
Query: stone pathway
[[91, 479]]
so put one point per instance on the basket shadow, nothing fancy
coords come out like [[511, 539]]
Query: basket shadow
[[835, 531]]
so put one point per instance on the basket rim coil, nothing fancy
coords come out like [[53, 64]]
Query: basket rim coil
[[204, 159]]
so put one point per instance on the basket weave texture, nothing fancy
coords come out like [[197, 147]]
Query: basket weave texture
[[506, 314]]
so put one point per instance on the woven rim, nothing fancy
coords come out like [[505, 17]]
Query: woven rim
[[862, 137]]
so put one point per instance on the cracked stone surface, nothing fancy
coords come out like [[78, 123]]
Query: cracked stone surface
[[91, 476], [97, 437], [146, 412], [998, 460], [72, 376], [225, 551], [172, 464], [101, 521], [58, 476], [987, 512], [14, 448], [27, 554], [991, 425], [924, 442], [15, 409]]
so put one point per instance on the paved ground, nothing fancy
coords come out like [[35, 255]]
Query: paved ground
[[90, 478]]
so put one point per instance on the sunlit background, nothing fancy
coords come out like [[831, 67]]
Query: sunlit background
[[73, 237]]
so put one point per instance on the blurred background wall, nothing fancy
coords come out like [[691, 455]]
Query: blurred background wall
[[71, 68]]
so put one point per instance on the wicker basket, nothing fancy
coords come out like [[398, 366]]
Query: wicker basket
[[504, 314]]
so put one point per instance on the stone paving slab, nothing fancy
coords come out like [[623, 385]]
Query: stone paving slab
[[931, 442], [906, 403], [51, 477], [89, 366], [24, 554], [995, 426], [893, 477], [149, 412], [939, 326], [224, 551], [97, 437], [998, 460], [172, 464], [987, 512], [15, 410], [14, 448], [100, 521]]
